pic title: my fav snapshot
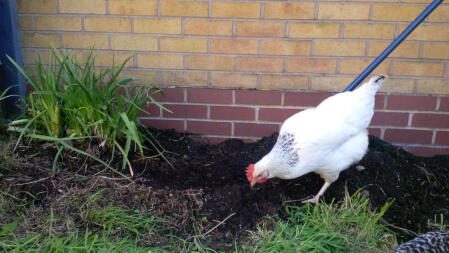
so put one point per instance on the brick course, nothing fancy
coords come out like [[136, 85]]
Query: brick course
[[409, 121], [302, 51]]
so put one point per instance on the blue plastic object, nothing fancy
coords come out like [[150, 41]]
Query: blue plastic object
[[396, 42], [10, 45]]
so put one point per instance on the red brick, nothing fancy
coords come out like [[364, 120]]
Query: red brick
[[170, 95], [390, 119], [422, 103], [178, 125], [408, 136], [232, 113], [276, 114], [305, 98], [374, 131], [427, 151], [254, 129], [212, 96], [186, 111], [208, 127], [442, 138], [444, 104], [430, 120], [251, 97], [379, 103], [152, 110]]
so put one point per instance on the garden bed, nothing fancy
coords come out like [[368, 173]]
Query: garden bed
[[207, 193]]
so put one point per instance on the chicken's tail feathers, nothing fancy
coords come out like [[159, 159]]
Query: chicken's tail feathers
[[374, 83]]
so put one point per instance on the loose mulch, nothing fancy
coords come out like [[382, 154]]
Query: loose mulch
[[207, 191]]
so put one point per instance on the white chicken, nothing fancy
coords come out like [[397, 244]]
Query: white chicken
[[325, 140]]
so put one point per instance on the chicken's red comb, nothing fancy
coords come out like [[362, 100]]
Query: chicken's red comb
[[249, 172]]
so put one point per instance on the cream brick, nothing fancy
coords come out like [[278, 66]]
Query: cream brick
[[312, 65], [369, 31], [283, 47], [330, 83], [113, 58], [97, 24], [234, 80], [132, 7], [80, 40], [259, 64], [287, 82], [355, 66], [184, 8], [191, 45], [433, 86], [289, 10], [395, 85], [235, 10], [184, 78], [210, 62], [436, 51], [314, 30], [396, 12], [208, 27], [160, 61], [156, 25], [234, 46], [404, 50], [417, 68], [26, 22], [440, 14], [343, 11], [429, 32], [59, 23], [36, 6], [260, 29], [144, 76], [139, 43], [30, 56], [83, 6], [340, 48], [40, 40]]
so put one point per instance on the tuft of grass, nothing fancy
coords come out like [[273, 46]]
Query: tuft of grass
[[79, 102], [75, 241], [115, 220], [347, 226]]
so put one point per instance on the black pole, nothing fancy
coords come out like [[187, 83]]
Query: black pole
[[10, 45], [396, 42]]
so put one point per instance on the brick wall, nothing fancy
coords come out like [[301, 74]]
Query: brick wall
[[300, 50]]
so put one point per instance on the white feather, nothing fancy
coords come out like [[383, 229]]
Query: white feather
[[326, 139]]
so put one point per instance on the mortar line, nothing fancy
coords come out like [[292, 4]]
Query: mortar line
[[107, 7], [58, 6]]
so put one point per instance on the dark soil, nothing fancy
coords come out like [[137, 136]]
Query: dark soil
[[208, 185]]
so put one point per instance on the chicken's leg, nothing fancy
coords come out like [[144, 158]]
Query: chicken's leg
[[317, 197]]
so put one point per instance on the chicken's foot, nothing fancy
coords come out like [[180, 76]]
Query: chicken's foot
[[316, 199]]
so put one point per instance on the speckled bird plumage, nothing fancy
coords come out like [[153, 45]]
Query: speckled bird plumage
[[431, 242], [326, 139]]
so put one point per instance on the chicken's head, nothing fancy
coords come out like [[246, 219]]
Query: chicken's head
[[255, 176]]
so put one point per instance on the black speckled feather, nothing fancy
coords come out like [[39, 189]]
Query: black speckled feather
[[431, 242], [284, 147]]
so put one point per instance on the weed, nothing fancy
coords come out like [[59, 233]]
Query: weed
[[73, 102], [348, 226]]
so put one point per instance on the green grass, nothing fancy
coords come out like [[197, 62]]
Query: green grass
[[79, 102], [348, 226]]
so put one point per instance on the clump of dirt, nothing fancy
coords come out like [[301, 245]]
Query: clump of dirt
[[207, 186]]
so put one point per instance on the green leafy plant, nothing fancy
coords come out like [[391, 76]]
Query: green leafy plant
[[348, 226], [73, 102]]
